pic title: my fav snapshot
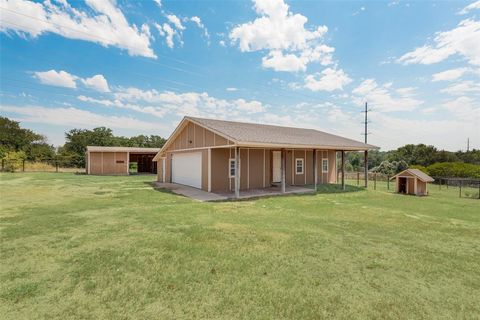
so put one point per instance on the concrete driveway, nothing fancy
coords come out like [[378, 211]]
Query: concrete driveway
[[191, 192]]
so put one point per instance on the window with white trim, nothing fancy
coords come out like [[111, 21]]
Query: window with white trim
[[299, 166], [324, 165], [231, 168]]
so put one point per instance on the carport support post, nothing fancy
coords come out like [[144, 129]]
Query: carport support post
[[282, 168], [237, 173], [315, 169], [343, 170], [366, 168]]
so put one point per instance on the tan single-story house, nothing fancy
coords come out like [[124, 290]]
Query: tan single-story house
[[116, 160], [226, 156], [412, 181]]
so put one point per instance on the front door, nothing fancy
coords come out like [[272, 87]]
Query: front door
[[276, 166]]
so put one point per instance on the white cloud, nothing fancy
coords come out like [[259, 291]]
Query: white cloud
[[158, 3], [104, 102], [75, 117], [464, 108], [470, 7], [464, 40], [389, 131], [192, 103], [284, 36], [383, 98], [283, 62], [168, 32], [249, 106], [463, 87], [175, 21], [67, 80], [97, 82], [199, 24], [449, 75], [231, 89], [54, 78], [156, 111], [160, 104], [328, 80], [106, 26], [407, 91]]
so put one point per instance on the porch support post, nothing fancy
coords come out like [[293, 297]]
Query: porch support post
[[315, 169], [283, 167], [343, 170], [237, 172], [366, 168]]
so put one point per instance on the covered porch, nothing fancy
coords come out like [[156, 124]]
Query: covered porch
[[290, 170]]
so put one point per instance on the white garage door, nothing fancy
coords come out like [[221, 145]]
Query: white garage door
[[187, 169]]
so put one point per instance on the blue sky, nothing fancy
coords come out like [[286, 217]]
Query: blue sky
[[139, 67]]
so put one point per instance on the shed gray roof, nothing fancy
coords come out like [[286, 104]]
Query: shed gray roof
[[418, 173], [253, 133], [122, 149]]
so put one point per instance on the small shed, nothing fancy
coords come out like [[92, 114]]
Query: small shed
[[412, 181]]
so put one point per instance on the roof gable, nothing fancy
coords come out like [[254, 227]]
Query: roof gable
[[183, 138]]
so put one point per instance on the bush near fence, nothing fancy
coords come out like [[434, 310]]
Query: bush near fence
[[45, 165]]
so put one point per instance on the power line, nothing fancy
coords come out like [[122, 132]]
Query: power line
[[86, 33], [314, 99], [106, 40]]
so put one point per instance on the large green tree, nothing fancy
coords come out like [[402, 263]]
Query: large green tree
[[14, 138], [419, 154]]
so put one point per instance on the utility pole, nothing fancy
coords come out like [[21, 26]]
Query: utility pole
[[366, 151], [468, 144], [366, 121]]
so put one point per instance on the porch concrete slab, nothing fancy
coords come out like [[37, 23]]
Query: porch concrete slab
[[190, 192], [267, 192], [201, 195]]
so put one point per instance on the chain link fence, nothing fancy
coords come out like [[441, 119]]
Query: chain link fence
[[458, 187]]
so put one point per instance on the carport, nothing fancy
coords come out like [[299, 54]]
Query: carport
[[120, 160]]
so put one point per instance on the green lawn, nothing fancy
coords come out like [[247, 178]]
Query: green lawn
[[88, 247]]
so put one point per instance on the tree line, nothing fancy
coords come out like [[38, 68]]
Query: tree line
[[438, 163], [18, 144]]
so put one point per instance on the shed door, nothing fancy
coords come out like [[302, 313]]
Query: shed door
[[187, 169], [276, 166]]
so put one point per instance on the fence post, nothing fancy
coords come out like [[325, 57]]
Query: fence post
[[460, 193], [388, 182], [56, 165], [447, 183], [23, 165], [440, 184], [358, 178], [3, 164], [375, 181]]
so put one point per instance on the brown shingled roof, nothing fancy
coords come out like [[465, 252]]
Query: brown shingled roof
[[243, 133], [417, 173]]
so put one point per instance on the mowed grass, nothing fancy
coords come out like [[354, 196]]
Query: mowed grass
[[89, 247]]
